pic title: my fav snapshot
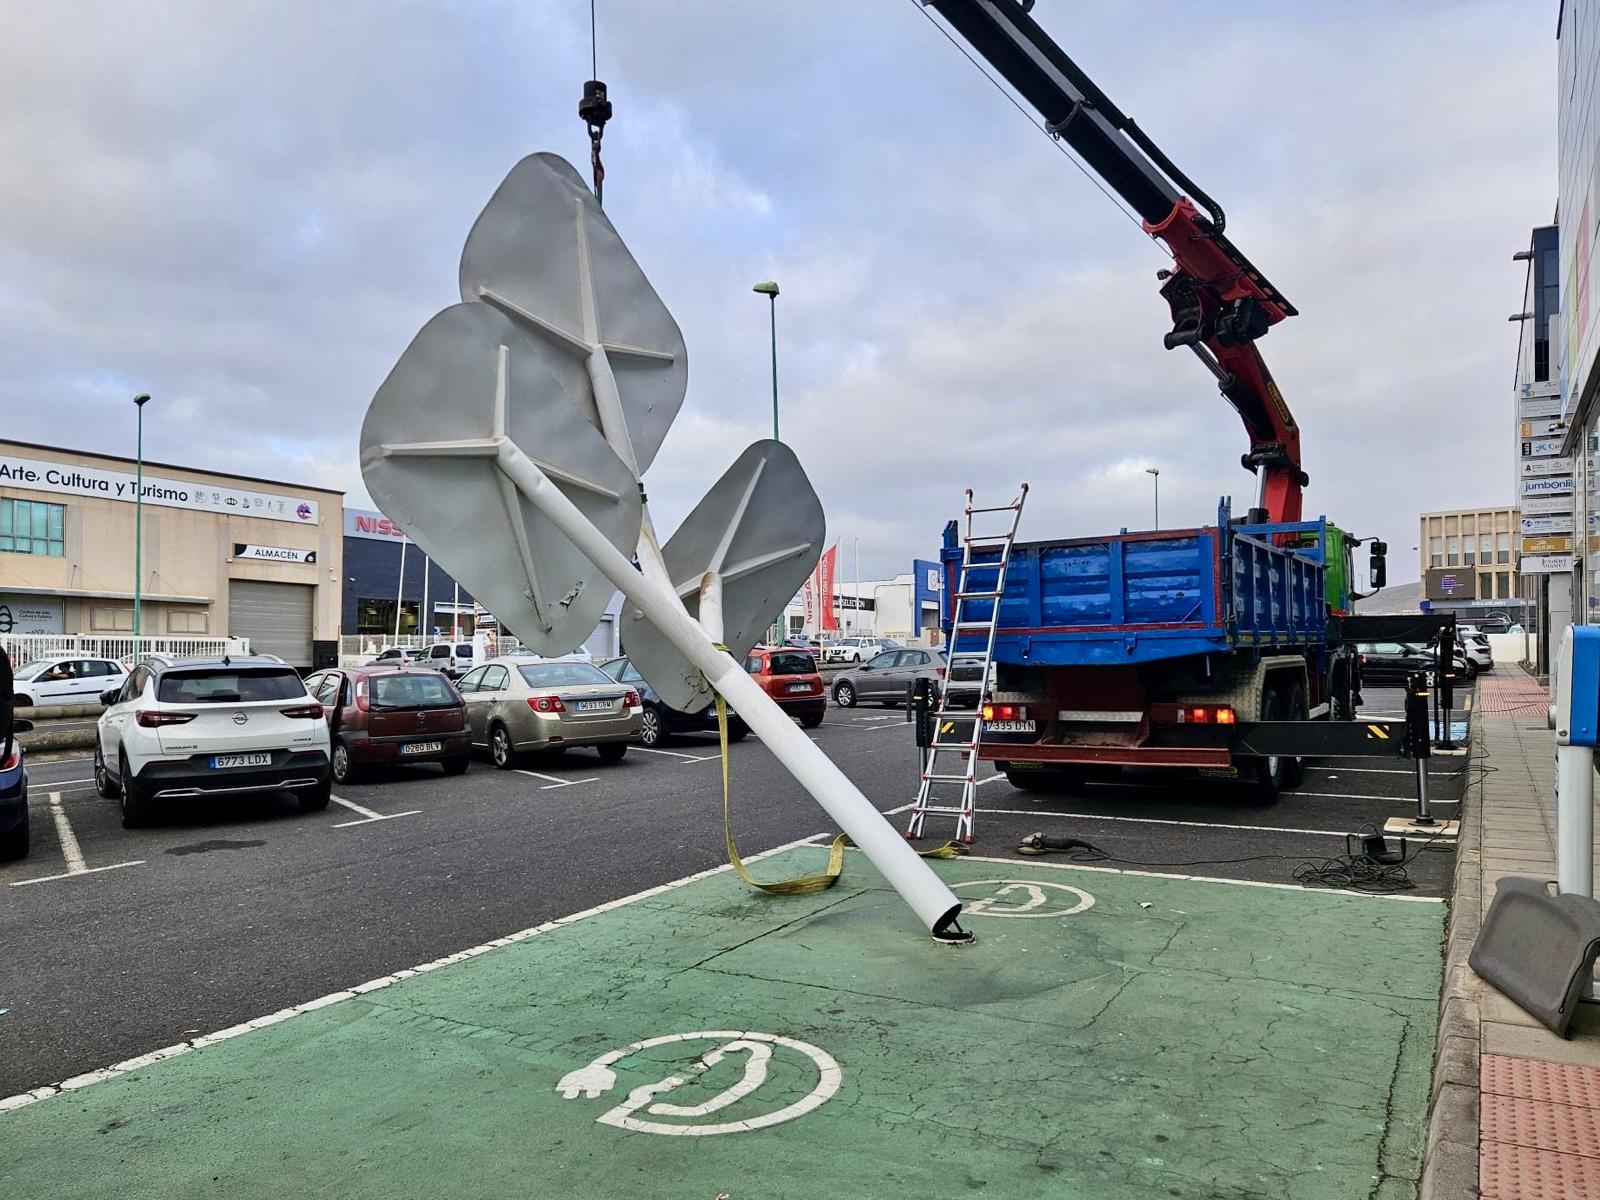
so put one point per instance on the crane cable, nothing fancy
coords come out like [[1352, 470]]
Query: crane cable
[[595, 110]]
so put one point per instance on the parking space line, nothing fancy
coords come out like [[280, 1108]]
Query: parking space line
[[1353, 796], [1033, 812], [674, 754], [556, 781], [367, 815], [70, 850], [1380, 771]]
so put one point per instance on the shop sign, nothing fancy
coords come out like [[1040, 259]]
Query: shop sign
[[289, 554], [1546, 504], [1547, 545], [63, 478], [31, 614], [1545, 466], [1547, 486], [1539, 406], [1546, 564], [1541, 447], [1547, 525]]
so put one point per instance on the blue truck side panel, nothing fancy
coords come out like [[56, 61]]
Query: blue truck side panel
[[1143, 597]]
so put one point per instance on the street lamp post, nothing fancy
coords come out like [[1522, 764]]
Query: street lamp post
[[1155, 478], [769, 289], [139, 402]]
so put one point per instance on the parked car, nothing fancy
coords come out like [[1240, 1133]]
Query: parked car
[[790, 677], [887, 677], [857, 649], [1390, 664], [211, 728], [66, 680], [396, 656], [658, 723], [803, 643], [965, 680], [517, 705], [387, 715], [13, 775], [1476, 644], [453, 658]]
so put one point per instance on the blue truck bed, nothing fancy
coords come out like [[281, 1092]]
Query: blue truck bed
[[1149, 596]]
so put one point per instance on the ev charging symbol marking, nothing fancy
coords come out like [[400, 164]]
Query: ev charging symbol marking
[[598, 1077], [1024, 898]]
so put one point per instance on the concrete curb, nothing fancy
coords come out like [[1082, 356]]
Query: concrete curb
[[40, 740], [1450, 1163]]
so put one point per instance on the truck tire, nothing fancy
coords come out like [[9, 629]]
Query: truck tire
[[1267, 774], [1295, 768]]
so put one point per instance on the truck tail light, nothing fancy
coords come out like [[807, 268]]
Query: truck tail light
[[1002, 712], [311, 712], [152, 718], [1206, 714], [546, 704], [631, 700]]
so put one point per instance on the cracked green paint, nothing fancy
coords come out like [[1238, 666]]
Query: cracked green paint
[[1226, 1041]]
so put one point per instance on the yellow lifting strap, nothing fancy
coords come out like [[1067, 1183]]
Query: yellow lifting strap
[[803, 885]]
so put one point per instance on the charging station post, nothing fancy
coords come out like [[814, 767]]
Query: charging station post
[[1577, 726], [1421, 743]]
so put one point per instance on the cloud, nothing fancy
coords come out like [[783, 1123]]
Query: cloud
[[249, 209]]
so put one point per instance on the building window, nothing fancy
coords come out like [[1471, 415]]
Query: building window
[[1484, 582], [105, 618], [1486, 547], [1436, 560], [187, 621], [1468, 557], [28, 527], [1502, 585], [1502, 548], [377, 616]]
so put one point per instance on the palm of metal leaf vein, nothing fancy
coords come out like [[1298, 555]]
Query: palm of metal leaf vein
[[563, 353]]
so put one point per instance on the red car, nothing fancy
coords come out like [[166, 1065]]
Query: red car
[[388, 715], [790, 677]]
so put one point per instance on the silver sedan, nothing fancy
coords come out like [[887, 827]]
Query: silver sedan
[[518, 705]]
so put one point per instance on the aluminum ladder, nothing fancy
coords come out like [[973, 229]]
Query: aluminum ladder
[[985, 557]]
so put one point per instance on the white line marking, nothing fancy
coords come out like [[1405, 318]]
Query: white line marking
[[674, 754], [989, 779], [367, 815], [1279, 887], [895, 812], [1028, 812], [9, 1103], [555, 780], [137, 862], [1353, 796], [70, 850], [64, 782], [1381, 771], [895, 725]]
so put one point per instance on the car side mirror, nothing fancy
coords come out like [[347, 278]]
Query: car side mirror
[[22, 725], [109, 696], [1377, 568]]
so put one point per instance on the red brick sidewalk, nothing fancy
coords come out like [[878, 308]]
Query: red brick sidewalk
[[1541, 1130], [1511, 691]]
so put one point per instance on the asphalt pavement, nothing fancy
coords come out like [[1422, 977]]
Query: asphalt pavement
[[119, 942]]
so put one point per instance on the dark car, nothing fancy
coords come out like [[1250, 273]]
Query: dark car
[[790, 677], [384, 715], [887, 678], [13, 774], [1390, 664], [659, 723]]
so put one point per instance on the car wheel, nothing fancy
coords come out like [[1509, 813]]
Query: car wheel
[[612, 752], [14, 845], [316, 799], [343, 768], [22, 701], [457, 765], [501, 752], [811, 720], [844, 695], [103, 783], [135, 803], [652, 727]]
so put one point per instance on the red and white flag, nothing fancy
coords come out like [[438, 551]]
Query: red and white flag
[[823, 590]]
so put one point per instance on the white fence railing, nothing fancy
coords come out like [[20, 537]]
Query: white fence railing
[[26, 647]]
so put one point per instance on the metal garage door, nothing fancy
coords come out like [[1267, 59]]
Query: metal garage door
[[276, 617]]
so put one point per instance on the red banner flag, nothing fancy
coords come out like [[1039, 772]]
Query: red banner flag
[[824, 588]]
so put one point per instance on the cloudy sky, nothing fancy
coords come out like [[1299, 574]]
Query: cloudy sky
[[248, 209]]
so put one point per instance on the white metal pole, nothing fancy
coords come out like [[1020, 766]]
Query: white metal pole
[[1575, 819], [455, 616], [934, 903], [427, 613], [400, 589], [857, 586]]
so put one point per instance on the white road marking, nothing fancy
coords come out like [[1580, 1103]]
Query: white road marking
[[1379, 771], [1030, 812], [70, 850], [1351, 796], [555, 781], [24, 1099], [367, 815], [64, 782], [674, 754]]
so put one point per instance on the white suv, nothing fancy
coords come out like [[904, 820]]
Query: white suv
[[856, 649], [210, 727]]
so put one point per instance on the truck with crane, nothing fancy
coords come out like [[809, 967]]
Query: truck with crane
[[1227, 648]]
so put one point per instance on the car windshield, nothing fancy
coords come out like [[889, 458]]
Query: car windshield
[[29, 671], [797, 663], [230, 685], [562, 674], [421, 690]]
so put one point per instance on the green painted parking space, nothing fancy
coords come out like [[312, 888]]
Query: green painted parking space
[[1109, 1035]]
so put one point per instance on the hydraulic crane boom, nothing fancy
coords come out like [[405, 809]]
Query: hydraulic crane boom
[[1220, 303]]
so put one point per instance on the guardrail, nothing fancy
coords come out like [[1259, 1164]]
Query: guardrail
[[27, 647]]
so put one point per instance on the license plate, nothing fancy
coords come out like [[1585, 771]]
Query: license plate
[[594, 705], [1009, 727], [422, 748], [799, 687], [262, 759]]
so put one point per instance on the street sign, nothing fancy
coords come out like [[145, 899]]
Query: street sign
[[1546, 525], [1546, 504], [1547, 545], [544, 252], [1546, 564], [759, 530], [471, 381]]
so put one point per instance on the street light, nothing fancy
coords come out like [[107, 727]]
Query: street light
[[769, 289], [139, 402], [1155, 478]]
